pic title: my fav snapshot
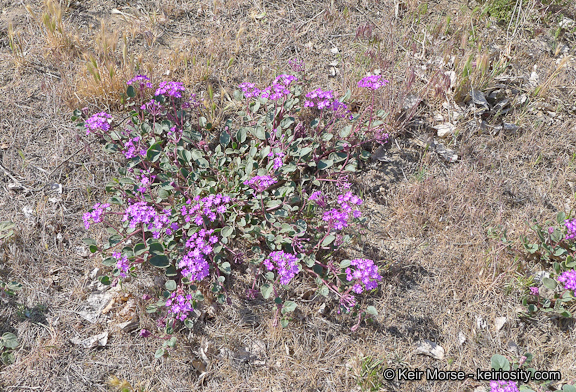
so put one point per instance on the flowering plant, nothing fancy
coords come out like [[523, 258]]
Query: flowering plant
[[554, 291], [271, 191]]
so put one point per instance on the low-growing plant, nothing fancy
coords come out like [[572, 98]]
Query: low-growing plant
[[8, 342], [555, 248], [269, 194], [500, 362]]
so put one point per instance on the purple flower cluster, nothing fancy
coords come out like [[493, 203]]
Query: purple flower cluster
[[320, 99], [194, 265], [153, 107], [144, 81], [145, 182], [285, 263], [373, 82], [569, 280], [338, 218], [95, 215], [249, 90], [172, 89], [318, 197], [278, 162], [260, 183], [503, 386], [123, 264], [179, 305], [571, 228], [98, 121], [192, 103], [366, 272], [204, 207], [141, 213], [534, 290], [277, 90], [130, 150], [296, 65]]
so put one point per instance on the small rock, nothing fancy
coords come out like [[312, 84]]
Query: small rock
[[94, 273], [480, 322], [28, 211], [513, 347], [510, 127], [499, 323], [426, 347], [96, 340], [334, 50], [410, 101], [333, 72], [96, 303], [445, 130], [566, 23], [461, 338], [539, 277], [479, 99]]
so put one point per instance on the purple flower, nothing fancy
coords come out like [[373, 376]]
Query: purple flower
[[569, 280], [366, 273], [98, 121], [571, 228], [172, 89], [153, 107], [123, 264], [249, 90], [179, 305], [144, 333], [373, 82], [297, 65], [503, 386], [194, 266], [143, 80], [260, 183], [95, 215], [141, 213], [534, 290], [285, 263]]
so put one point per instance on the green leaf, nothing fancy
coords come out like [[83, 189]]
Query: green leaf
[[241, 135], [153, 153], [289, 306], [160, 261], [130, 92], [345, 132], [8, 358], [325, 163], [499, 362], [110, 261], [560, 218], [156, 248], [372, 310], [258, 132], [328, 240], [286, 122], [170, 285], [159, 353], [172, 341], [105, 280], [89, 241], [568, 388], [344, 264], [266, 290], [224, 138], [324, 291], [227, 231], [549, 283], [9, 340], [139, 249], [226, 268], [284, 322]]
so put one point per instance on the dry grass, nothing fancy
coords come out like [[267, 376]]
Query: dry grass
[[428, 220]]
